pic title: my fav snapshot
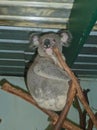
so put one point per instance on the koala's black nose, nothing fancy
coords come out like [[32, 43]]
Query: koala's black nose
[[46, 43]]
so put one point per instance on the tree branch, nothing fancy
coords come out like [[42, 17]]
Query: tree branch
[[62, 116], [77, 85], [90, 123], [24, 95]]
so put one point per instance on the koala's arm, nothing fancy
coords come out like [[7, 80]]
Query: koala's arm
[[47, 69]]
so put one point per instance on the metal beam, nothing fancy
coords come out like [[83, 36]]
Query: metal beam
[[82, 19]]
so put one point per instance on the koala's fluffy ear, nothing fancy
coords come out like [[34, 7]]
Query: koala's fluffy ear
[[34, 40], [65, 37]]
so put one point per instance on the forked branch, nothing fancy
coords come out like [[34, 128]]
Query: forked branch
[[24, 95]]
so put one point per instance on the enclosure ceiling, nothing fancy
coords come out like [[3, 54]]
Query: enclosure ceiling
[[86, 62], [19, 18]]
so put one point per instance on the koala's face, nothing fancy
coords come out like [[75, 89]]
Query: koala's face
[[46, 41]]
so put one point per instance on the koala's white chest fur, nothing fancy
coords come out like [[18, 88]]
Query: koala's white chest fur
[[48, 84]]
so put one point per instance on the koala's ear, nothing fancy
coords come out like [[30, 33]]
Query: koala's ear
[[65, 37], [34, 40]]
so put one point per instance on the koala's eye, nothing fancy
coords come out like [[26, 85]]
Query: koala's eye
[[47, 43], [53, 41]]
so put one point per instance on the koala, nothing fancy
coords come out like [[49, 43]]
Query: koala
[[47, 82]]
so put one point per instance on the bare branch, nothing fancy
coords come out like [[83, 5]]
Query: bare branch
[[24, 95], [76, 85], [90, 123]]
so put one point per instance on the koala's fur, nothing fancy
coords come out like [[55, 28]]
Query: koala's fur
[[47, 82]]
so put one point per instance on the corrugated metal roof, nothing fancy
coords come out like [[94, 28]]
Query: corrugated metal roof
[[19, 18], [14, 55], [86, 62], [39, 13]]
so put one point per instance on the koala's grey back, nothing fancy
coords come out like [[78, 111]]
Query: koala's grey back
[[48, 84]]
